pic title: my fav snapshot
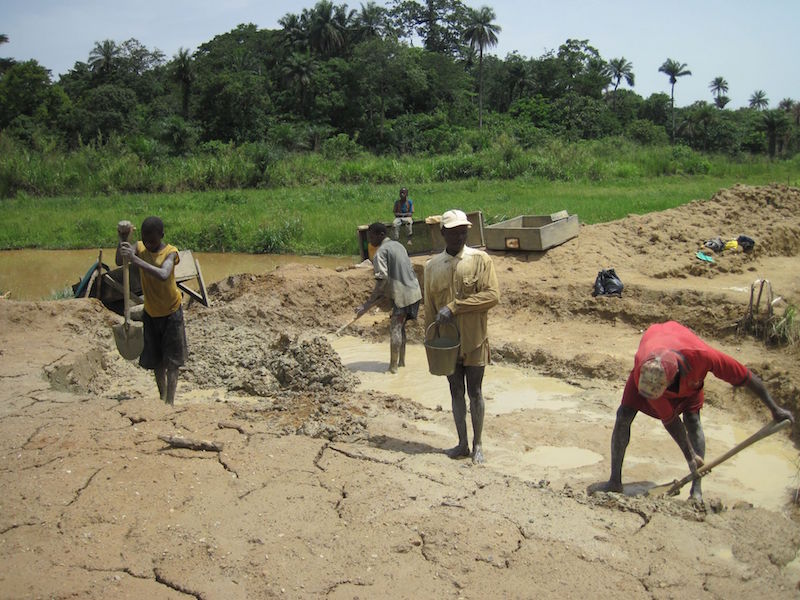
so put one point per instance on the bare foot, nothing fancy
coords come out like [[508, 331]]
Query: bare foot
[[477, 455], [696, 494], [458, 452], [604, 486]]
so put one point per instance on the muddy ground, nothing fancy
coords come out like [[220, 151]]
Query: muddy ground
[[321, 488]]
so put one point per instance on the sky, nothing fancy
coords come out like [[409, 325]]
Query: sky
[[753, 44]]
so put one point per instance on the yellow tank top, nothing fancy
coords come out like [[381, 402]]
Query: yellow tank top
[[161, 298]]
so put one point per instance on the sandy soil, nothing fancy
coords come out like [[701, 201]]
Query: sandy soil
[[321, 488]]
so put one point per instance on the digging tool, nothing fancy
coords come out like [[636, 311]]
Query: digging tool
[[129, 336], [346, 325], [670, 489]]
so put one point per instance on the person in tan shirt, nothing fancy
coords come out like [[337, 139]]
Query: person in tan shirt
[[460, 285]]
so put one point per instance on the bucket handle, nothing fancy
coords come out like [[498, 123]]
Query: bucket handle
[[436, 323]]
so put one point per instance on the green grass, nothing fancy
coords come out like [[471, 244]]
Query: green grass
[[322, 219]]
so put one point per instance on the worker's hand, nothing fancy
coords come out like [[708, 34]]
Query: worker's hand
[[695, 464], [126, 250], [361, 309], [124, 229], [781, 414], [445, 315]]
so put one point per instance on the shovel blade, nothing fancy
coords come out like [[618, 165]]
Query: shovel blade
[[130, 339]]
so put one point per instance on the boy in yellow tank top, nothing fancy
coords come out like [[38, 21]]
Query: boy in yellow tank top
[[164, 333]]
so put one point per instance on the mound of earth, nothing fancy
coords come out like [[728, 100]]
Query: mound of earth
[[316, 487]]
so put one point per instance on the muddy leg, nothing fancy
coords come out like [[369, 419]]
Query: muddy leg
[[477, 408], [401, 362], [459, 404], [395, 341], [698, 441], [161, 382], [172, 384]]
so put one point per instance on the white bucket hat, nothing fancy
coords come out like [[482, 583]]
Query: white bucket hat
[[454, 218]]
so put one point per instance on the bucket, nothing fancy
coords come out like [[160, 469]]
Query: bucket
[[442, 351]]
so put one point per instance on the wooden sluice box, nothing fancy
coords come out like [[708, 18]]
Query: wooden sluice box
[[532, 233]]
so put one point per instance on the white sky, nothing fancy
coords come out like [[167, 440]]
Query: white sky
[[753, 44]]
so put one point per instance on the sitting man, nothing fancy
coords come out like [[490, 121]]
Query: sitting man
[[403, 214]]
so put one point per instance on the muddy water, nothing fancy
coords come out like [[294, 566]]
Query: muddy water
[[38, 274], [763, 474]]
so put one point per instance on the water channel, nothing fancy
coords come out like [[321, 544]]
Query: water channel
[[38, 274]]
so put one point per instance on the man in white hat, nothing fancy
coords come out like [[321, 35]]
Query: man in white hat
[[666, 382], [460, 285]]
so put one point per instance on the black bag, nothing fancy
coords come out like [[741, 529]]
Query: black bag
[[607, 284]]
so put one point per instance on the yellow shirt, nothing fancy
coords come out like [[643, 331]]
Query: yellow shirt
[[161, 298], [467, 284]]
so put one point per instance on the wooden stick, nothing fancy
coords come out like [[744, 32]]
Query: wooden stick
[[670, 489], [181, 442]]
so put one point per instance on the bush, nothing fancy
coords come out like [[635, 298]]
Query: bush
[[340, 146], [647, 133]]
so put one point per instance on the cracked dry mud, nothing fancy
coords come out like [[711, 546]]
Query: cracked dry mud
[[323, 489]]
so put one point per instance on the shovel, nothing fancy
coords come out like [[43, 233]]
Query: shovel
[[670, 489], [129, 336], [346, 325]]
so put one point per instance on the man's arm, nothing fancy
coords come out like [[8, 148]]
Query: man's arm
[[755, 385], [487, 295], [678, 432], [161, 273]]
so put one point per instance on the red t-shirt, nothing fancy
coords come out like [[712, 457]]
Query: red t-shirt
[[695, 360]]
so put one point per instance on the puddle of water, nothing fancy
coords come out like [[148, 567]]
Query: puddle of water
[[37, 274], [505, 389], [762, 474]]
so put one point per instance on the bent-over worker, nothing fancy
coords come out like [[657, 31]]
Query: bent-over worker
[[394, 279], [666, 382]]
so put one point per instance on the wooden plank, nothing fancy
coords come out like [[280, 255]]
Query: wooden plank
[[118, 287]]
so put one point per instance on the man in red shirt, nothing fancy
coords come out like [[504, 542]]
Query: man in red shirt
[[669, 369]]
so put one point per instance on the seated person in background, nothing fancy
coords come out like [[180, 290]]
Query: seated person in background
[[403, 214]]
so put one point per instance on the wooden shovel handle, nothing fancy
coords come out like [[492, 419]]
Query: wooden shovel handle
[[767, 430]]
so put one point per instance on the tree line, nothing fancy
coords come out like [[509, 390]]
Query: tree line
[[411, 77]]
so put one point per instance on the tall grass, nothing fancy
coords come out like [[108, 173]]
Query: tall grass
[[115, 168], [251, 199]]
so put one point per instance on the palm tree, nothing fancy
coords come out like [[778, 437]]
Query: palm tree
[[298, 71], [481, 33], [619, 69], [719, 87], [183, 74], [759, 100], [326, 28], [786, 105], [104, 56], [673, 69], [370, 22], [293, 29], [5, 63], [774, 124]]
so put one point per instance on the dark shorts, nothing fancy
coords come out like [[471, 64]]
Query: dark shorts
[[164, 341], [409, 312]]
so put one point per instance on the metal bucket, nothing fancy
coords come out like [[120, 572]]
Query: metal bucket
[[442, 351]]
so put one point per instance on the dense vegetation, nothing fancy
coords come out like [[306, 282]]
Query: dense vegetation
[[338, 95]]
